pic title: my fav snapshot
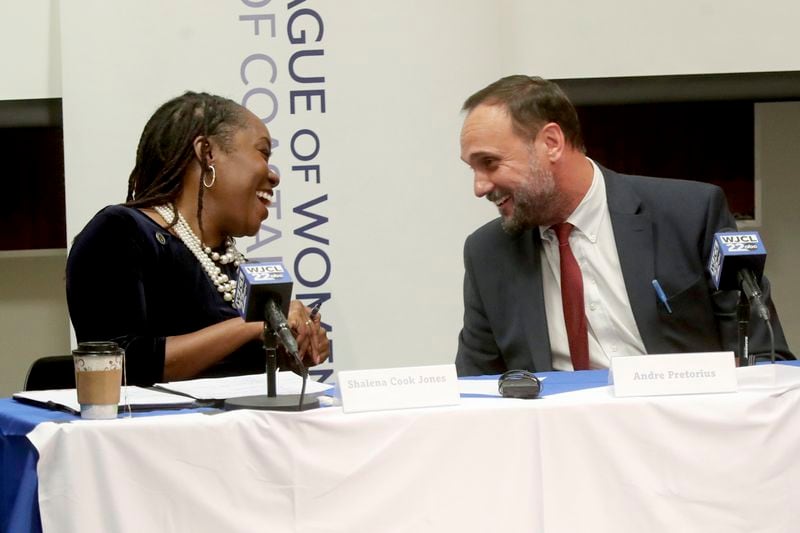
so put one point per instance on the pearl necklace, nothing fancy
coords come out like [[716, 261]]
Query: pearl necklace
[[204, 254]]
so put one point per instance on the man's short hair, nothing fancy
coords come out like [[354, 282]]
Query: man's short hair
[[532, 102]]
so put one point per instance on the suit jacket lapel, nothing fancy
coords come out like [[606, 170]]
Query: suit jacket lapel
[[532, 308], [633, 233]]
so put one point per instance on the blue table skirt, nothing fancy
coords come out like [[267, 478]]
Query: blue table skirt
[[19, 505], [19, 502]]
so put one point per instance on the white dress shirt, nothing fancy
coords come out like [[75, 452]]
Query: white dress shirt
[[610, 323]]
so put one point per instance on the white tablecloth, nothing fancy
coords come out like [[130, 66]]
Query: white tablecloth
[[576, 462]]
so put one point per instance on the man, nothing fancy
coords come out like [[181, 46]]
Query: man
[[615, 241]]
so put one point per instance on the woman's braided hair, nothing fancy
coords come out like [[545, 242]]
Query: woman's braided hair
[[166, 148]]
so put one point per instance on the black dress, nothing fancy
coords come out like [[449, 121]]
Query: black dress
[[131, 281]]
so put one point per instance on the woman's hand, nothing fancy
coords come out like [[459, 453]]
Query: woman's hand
[[312, 339]]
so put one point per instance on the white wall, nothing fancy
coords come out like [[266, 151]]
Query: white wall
[[589, 38], [30, 40], [777, 167], [33, 309]]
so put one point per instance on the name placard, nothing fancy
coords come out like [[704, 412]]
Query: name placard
[[398, 388], [688, 373]]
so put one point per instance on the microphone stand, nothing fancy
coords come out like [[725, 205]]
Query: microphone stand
[[270, 346], [743, 321], [273, 402]]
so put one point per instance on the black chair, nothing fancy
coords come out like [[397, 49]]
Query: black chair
[[53, 372]]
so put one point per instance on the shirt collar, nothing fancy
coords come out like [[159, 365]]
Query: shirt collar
[[590, 212]]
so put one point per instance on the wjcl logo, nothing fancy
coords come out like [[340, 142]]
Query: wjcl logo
[[740, 242], [265, 272], [715, 263]]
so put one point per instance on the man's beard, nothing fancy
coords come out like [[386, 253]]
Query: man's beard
[[535, 202]]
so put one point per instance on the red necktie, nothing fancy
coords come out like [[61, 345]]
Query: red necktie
[[572, 300]]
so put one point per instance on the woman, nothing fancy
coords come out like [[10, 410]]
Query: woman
[[154, 274]]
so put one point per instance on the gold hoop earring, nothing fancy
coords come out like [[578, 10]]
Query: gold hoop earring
[[213, 177]]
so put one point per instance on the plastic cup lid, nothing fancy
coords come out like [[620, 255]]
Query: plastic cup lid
[[97, 348]]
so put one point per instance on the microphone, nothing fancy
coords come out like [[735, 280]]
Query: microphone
[[263, 291], [277, 321], [737, 262]]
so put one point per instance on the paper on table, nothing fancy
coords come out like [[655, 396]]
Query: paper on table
[[136, 397], [249, 385], [766, 376]]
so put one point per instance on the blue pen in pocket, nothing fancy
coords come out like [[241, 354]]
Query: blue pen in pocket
[[661, 296]]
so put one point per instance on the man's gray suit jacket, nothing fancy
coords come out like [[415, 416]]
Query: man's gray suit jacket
[[663, 229]]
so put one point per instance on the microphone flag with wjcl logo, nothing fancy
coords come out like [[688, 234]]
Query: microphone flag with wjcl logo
[[259, 282], [735, 251]]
